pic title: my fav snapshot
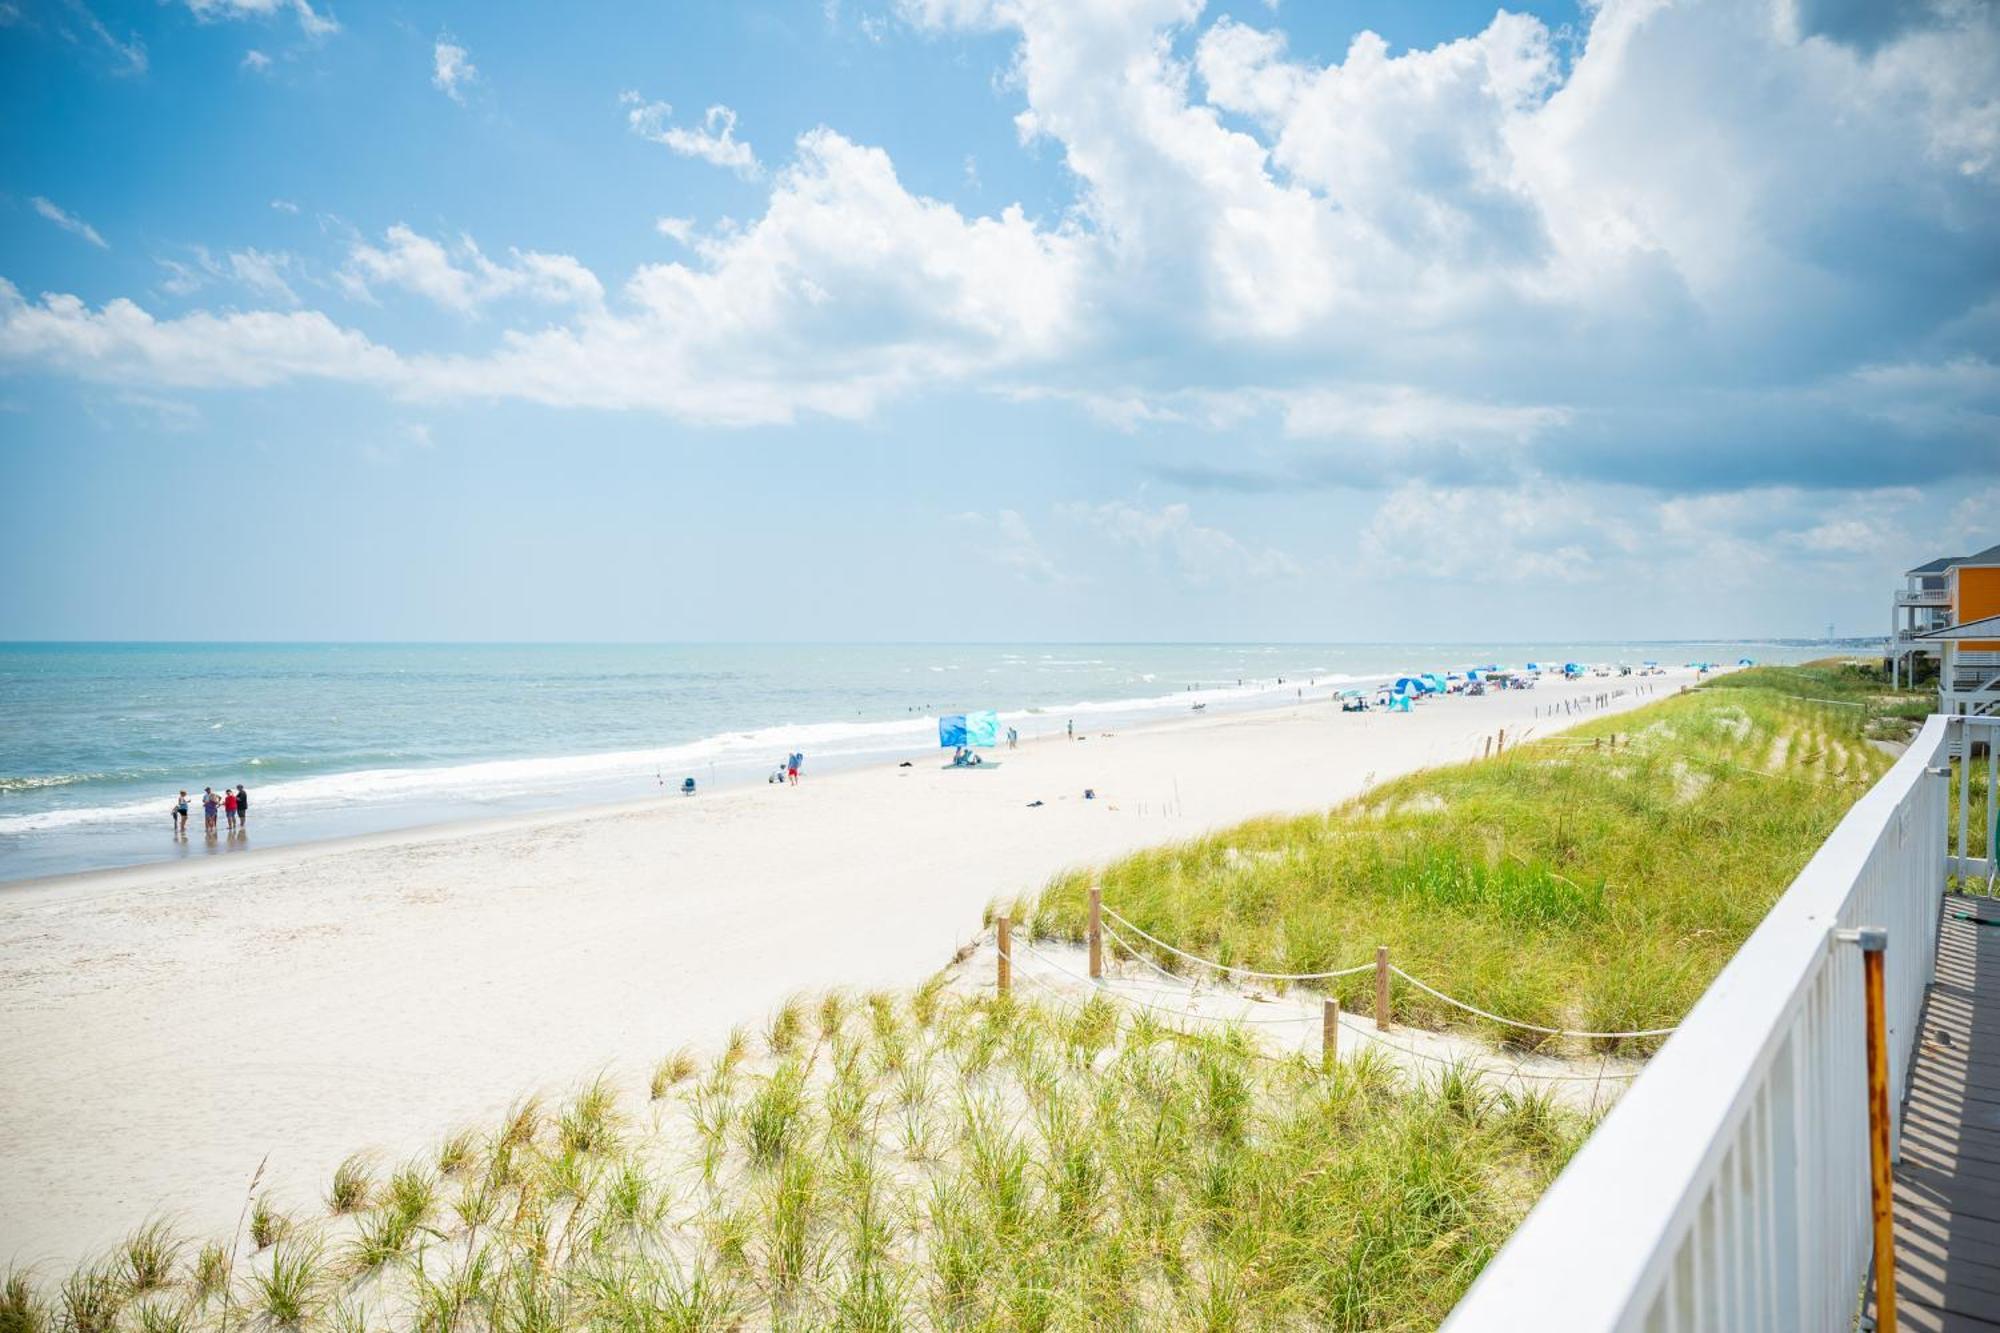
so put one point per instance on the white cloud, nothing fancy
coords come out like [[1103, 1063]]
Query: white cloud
[[452, 69], [675, 229], [284, 206], [69, 222], [255, 61], [311, 22], [123, 344], [715, 142], [461, 277], [1188, 551], [848, 289]]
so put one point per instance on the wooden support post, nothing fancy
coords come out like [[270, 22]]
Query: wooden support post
[[1882, 1183], [1500, 746], [1489, 749], [1329, 1034], [1382, 987], [1005, 928], [1096, 933]]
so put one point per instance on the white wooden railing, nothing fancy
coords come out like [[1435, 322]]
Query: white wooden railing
[[1729, 1188]]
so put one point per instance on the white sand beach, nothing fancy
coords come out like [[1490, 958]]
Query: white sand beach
[[167, 1028]]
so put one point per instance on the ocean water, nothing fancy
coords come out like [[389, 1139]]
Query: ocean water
[[336, 739]]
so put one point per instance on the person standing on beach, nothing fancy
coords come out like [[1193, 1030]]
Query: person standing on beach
[[181, 815], [242, 807], [792, 765], [208, 804], [1072, 728], [229, 808]]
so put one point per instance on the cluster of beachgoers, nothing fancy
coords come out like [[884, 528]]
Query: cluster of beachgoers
[[232, 805], [1405, 691]]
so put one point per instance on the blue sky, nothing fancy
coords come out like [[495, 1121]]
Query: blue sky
[[992, 318]]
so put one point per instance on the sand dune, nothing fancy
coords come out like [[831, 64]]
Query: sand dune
[[167, 1028]]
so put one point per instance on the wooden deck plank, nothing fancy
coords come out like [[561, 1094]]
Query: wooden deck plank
[[1948, 1178]]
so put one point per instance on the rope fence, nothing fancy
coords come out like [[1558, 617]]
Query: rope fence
[[1231, 970], [1506, 1070]]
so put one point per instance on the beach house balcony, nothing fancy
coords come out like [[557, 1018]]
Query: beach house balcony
[[1936, 597]]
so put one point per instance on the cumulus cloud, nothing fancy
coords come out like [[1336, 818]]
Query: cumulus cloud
[[68, 221], [460, 277], [452, 69], [255, 61], [715, 142], [122, 343], [1703, 201], [847, 290]]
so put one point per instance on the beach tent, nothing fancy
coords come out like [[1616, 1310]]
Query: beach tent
[[1532, 666], [1407, 685], [1572, 668], [981, 730], [1399, 702], [1746, 661], [1435, 682]]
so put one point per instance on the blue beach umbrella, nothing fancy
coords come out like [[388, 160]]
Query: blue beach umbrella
[[1407, 685], [981, 730]]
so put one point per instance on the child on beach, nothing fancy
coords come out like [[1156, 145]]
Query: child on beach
[[229, 808], [792, 766]]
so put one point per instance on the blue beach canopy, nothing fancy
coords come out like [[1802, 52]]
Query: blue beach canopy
[[1435, 682], [1407, 685], [1572, 668], [1746, 661], [981, 730]]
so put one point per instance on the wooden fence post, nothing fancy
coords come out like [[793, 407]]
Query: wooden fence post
[[1489, 749], [1329, 1034], [1096, 933], [1005, 926], [1382, 987], [1500, 746]]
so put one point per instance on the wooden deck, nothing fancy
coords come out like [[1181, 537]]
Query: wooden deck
[[1948, 1182]]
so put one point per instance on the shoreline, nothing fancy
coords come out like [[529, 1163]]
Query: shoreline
[[172, 1023]]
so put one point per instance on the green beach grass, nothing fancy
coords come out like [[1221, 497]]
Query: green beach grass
[[937, 1160], [1592, 881]]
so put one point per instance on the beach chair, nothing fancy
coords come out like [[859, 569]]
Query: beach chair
[[687, 786]]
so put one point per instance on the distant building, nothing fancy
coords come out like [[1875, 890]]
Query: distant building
[[1949, 609]]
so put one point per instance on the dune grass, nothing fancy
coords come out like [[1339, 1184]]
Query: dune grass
[[937, 1160], [1591, 881]]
